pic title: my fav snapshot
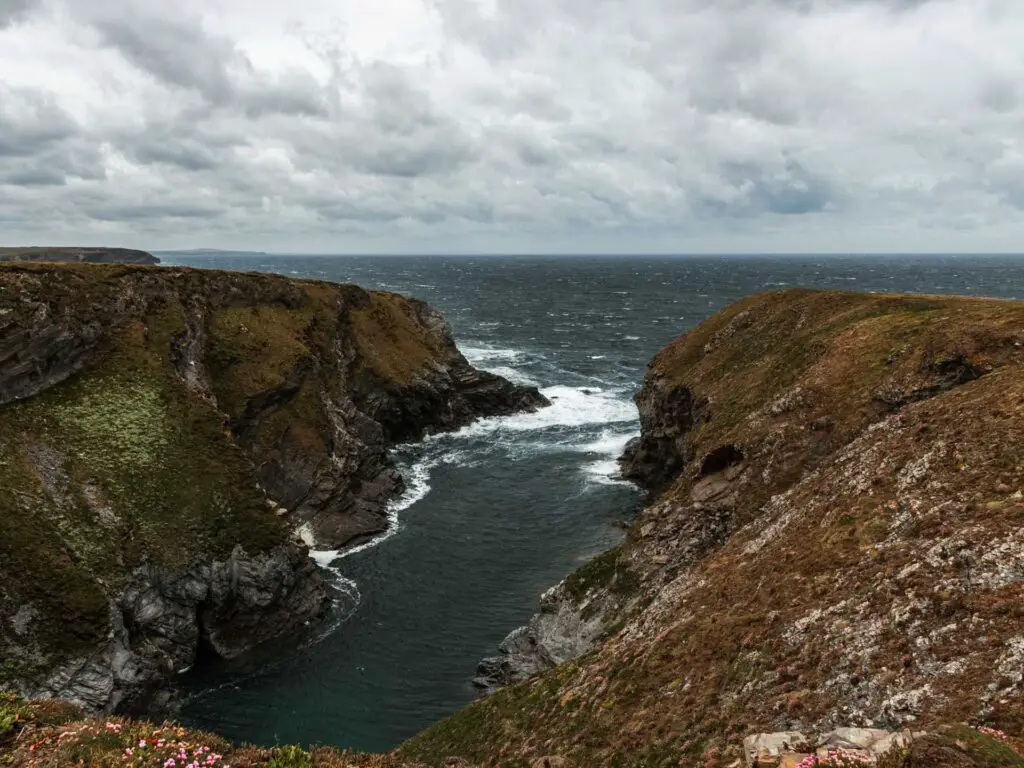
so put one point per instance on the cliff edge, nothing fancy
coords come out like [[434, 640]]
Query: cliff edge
[[834, 539], [164, 433]]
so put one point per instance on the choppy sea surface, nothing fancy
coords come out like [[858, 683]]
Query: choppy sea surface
[[498, 512]]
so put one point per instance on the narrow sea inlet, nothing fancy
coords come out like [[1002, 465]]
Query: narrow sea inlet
[[503, 509]]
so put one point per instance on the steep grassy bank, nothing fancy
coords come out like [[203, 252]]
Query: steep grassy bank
[[834, 539], [162, 434]]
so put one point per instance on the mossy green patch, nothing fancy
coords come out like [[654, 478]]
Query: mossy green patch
[[115, 466], [605, 570], [390, 339], [985, 751], [125, 421], [255, 349], [290, 756]]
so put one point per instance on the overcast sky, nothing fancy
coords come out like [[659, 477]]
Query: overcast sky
[[514, 125]]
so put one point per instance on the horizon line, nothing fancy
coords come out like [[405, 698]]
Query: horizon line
[[580, 254]]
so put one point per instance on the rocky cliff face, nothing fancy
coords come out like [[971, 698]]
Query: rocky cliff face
[[164, 432], [79, 255], [833, 539]]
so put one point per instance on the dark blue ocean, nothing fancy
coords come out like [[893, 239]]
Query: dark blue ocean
[[505, 508]]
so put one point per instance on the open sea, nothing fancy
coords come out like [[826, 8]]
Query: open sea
[[500, 511]]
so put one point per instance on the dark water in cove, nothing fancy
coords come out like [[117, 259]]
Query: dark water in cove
[[497, 513]]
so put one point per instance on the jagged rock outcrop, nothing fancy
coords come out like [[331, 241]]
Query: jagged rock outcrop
[[160, 619], [565, 627], [78, 255], [833, 540], [165, 432]]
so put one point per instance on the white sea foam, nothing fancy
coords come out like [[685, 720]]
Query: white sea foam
[[609, 443], [570, 407], [605, 472], [512, 374], [609, 447], [416, 487], [480, 356]]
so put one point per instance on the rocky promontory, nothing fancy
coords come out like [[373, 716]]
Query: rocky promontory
[[833, 541], [78, 255], [171, 440], [830, 571]]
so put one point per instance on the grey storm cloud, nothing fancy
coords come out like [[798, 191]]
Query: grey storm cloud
[[12, 11], [534, 125]]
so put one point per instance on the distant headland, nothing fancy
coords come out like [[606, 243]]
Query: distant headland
[[84, 255], [211, 252]]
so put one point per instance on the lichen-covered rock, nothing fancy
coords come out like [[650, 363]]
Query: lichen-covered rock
[[765, 749], [164, 432], [566, 627]]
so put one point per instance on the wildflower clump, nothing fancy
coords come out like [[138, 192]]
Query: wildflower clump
[[993, 733], [128, 744], [838, 758]]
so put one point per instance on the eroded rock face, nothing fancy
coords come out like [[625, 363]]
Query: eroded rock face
[[160, 619], [164, 433], [668, 412], [566, 627]]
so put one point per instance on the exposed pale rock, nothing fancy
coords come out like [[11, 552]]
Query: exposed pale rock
[[766, 749], [851, 738]]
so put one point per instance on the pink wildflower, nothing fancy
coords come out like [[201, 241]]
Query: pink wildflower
[[170, 763], [992, 732], [128, 752]]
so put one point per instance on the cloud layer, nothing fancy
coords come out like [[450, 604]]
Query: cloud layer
[[514, 125]]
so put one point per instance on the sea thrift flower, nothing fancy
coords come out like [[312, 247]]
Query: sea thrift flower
[[992, 732], [170, 763], [837, 758]]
